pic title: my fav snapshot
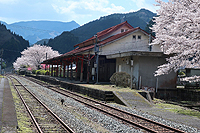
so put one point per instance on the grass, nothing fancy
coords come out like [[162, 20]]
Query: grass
[[190, 102], [176, 109], [158, 103], [24, 121]]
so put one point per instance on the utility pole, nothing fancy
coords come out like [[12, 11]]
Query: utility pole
[[97, 59], [1, 60], [150, 40]]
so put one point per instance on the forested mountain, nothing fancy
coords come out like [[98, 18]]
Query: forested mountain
[[63, 42], [38, 30], [11, 44], [136, 19]]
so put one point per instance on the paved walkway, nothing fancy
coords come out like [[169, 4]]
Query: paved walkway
[[134, 100], [8, 117]]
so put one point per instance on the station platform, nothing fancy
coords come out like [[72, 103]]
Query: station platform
[[8, 116]]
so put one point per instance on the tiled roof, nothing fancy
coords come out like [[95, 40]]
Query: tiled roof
[[106, 31], [78, 50], [110, 39], [104, 42]]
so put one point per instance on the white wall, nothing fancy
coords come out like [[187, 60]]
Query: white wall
[[127, 67], [129, 44], [145, 67]]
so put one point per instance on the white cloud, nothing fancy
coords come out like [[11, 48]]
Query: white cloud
[[145, 4], [139, 3], [8, 1], [83, 11], [90, 5]]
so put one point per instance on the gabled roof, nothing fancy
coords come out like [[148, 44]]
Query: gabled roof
[[105, 32], [80, 50], [104, 42]]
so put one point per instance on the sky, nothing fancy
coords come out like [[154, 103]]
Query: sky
[[81, 11]]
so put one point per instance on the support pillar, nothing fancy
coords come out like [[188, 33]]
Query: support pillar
[[71, 71], [64, 69], [81, 76], [61, 69], [57, 71], [52, 70], [76, 69], [88, 72], [48, 66], [68, 71]]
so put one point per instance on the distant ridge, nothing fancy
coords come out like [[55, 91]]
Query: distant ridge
[[38, 30]]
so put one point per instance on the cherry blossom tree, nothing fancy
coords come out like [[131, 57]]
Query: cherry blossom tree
[[177, 31], [33, 56]]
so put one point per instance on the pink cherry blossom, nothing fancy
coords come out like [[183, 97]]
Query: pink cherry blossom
[[177, 31], [33, 56]]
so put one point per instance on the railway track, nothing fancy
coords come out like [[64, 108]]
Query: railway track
[[133, 120], [44, 119]]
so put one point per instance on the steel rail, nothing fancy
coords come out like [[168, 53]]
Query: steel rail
[[28, 110], [66, 127], [131, 114], [122, 111]]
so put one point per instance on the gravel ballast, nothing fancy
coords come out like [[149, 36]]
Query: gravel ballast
[[84, 119], [71, 108]]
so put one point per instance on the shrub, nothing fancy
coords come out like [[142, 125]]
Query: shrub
[[38, 72], [42, 72], [181, 73], [22, 72], [46, 72], [33, 71], [121, 79]]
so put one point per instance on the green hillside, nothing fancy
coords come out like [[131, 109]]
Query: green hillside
[[11, 44], [63, 42], [67, 40], [136, 19]]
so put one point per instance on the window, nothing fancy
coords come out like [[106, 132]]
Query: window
[[126, 30], [122, 30], [139, 37], [134, 36]]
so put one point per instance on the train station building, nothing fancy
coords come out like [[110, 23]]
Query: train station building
[[121, 48]]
